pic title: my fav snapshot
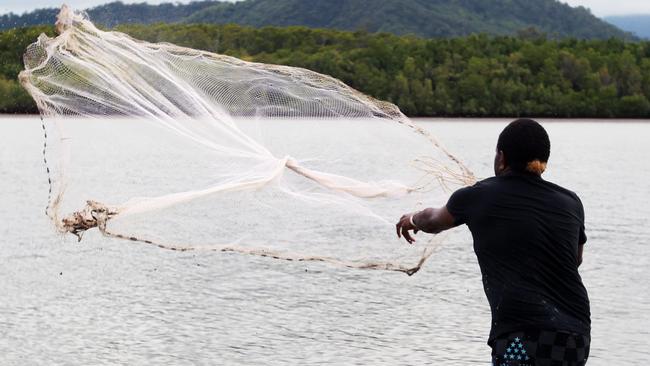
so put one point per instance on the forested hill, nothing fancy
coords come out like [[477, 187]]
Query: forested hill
[[112, 14], [425, 18]]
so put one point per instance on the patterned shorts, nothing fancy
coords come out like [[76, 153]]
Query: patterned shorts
[[540, 348]]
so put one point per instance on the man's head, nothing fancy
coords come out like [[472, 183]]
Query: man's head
[[523, 146]]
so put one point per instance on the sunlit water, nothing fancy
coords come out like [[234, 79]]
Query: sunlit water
[[109, 302]]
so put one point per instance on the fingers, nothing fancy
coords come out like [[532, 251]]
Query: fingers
[[403, 227], [400, 225], [407, 236]]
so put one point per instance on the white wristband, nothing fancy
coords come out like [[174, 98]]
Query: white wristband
[[411, 221]]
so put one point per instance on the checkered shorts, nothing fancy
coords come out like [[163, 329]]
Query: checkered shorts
[[540, 348]]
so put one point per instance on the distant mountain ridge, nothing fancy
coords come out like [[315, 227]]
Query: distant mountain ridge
[[637, 24], [112, 14], [425, 18]]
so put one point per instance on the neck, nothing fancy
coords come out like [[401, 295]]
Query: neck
[[503, 171], [524, 173]]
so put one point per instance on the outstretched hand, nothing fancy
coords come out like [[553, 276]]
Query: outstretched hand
[[404, 227]]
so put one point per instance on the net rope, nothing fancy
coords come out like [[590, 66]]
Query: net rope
[[85, 73]]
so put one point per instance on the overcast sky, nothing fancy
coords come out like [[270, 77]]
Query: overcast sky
[[613, 7], [598, 7], [20, 6]]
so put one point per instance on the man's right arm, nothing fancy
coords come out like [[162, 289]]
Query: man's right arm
[[431, 220], [434, 220]]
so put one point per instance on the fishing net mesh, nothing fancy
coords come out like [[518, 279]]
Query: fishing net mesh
[[191, 150]]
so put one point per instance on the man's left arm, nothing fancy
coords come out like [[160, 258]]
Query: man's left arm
[[581, 248], [582, 237]]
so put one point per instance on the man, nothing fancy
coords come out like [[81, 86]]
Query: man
[[528, 237]]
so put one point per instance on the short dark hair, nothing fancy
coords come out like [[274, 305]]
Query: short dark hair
[[522, 142]]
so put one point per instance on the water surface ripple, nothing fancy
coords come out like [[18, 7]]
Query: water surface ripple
[[108, 302]]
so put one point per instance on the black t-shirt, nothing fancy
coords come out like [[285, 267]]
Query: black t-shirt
[[526, 234]]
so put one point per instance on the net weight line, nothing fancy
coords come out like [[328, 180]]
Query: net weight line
[[97, 215], [47, 168]]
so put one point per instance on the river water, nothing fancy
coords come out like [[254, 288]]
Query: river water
[[102, 302]]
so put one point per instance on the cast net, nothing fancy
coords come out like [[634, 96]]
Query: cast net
[[191, 150]]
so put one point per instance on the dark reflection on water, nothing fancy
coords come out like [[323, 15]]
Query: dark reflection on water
[[104, 302]]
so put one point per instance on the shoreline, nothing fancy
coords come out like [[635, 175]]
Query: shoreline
[[541, 119], [11, 116]]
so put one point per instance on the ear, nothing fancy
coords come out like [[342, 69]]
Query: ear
[[499, 162], [502, 160]]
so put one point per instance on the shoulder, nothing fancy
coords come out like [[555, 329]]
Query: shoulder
[[485, 183], [473, 191], [466, 202]]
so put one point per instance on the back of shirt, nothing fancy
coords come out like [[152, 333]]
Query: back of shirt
[[526, 235]]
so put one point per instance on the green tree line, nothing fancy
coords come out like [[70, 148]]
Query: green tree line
[[478, 75]]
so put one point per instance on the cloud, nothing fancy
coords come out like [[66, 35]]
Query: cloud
[[609, 7]]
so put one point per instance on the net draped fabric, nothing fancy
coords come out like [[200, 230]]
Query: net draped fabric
[[231, 155]]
